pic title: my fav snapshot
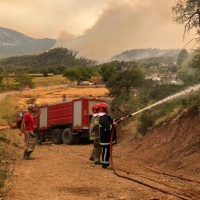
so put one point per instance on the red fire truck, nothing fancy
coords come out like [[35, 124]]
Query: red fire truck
[[64, 122]]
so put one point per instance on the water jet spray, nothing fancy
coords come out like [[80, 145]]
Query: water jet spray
[[185, 92]]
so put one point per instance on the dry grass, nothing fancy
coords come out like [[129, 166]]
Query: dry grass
[[12, 137], [8, 109], [43, 95], [52, 95], [49, 81]]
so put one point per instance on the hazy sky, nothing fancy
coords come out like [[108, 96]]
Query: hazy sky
[[109, 26]]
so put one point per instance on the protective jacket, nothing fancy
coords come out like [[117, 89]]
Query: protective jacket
[[105, 129], [94, 127]]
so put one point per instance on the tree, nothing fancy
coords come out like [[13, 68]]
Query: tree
[[125, 81], [61, 69], [24, 79], [107, 71], [72, 74], [195, 65], [122, 88], [187, 12], [45, 72], [189, 72], [182, 56], [78, 74]]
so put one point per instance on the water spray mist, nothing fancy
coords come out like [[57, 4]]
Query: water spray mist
[[185, 92]]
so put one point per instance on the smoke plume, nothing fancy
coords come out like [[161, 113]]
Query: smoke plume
[[125, 26]]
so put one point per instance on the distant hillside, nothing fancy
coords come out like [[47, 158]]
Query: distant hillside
[[139, 54], [56, 60], [13, 43]]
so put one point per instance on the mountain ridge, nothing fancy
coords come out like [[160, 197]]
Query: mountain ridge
[[139, 54], [13, 43]]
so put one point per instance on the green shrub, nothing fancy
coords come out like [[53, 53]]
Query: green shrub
[[146, 120], [193, 103]]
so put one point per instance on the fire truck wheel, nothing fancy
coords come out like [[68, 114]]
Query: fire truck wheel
[[57, 136], [67, 136]]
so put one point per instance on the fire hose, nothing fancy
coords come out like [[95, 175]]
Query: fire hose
[[138, 181]]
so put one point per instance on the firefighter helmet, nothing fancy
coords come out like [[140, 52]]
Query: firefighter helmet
[[103, 107], [95, 108]]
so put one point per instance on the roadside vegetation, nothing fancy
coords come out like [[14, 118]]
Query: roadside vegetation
[[9, 142], [7, 158]]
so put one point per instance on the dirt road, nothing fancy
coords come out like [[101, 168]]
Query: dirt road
[[61, 172], [65, 172]]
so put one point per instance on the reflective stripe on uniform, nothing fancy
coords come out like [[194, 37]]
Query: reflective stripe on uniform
[[104, 157]]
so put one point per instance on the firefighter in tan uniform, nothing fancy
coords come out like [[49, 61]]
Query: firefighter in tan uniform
[[94, 135]]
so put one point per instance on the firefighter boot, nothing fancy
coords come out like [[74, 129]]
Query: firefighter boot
[[105, 166], [97, 162], [25, 154], [92, 155], [29, 155]]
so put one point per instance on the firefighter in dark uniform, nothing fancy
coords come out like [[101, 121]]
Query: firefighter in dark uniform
[[106, 128], [94, 135]]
